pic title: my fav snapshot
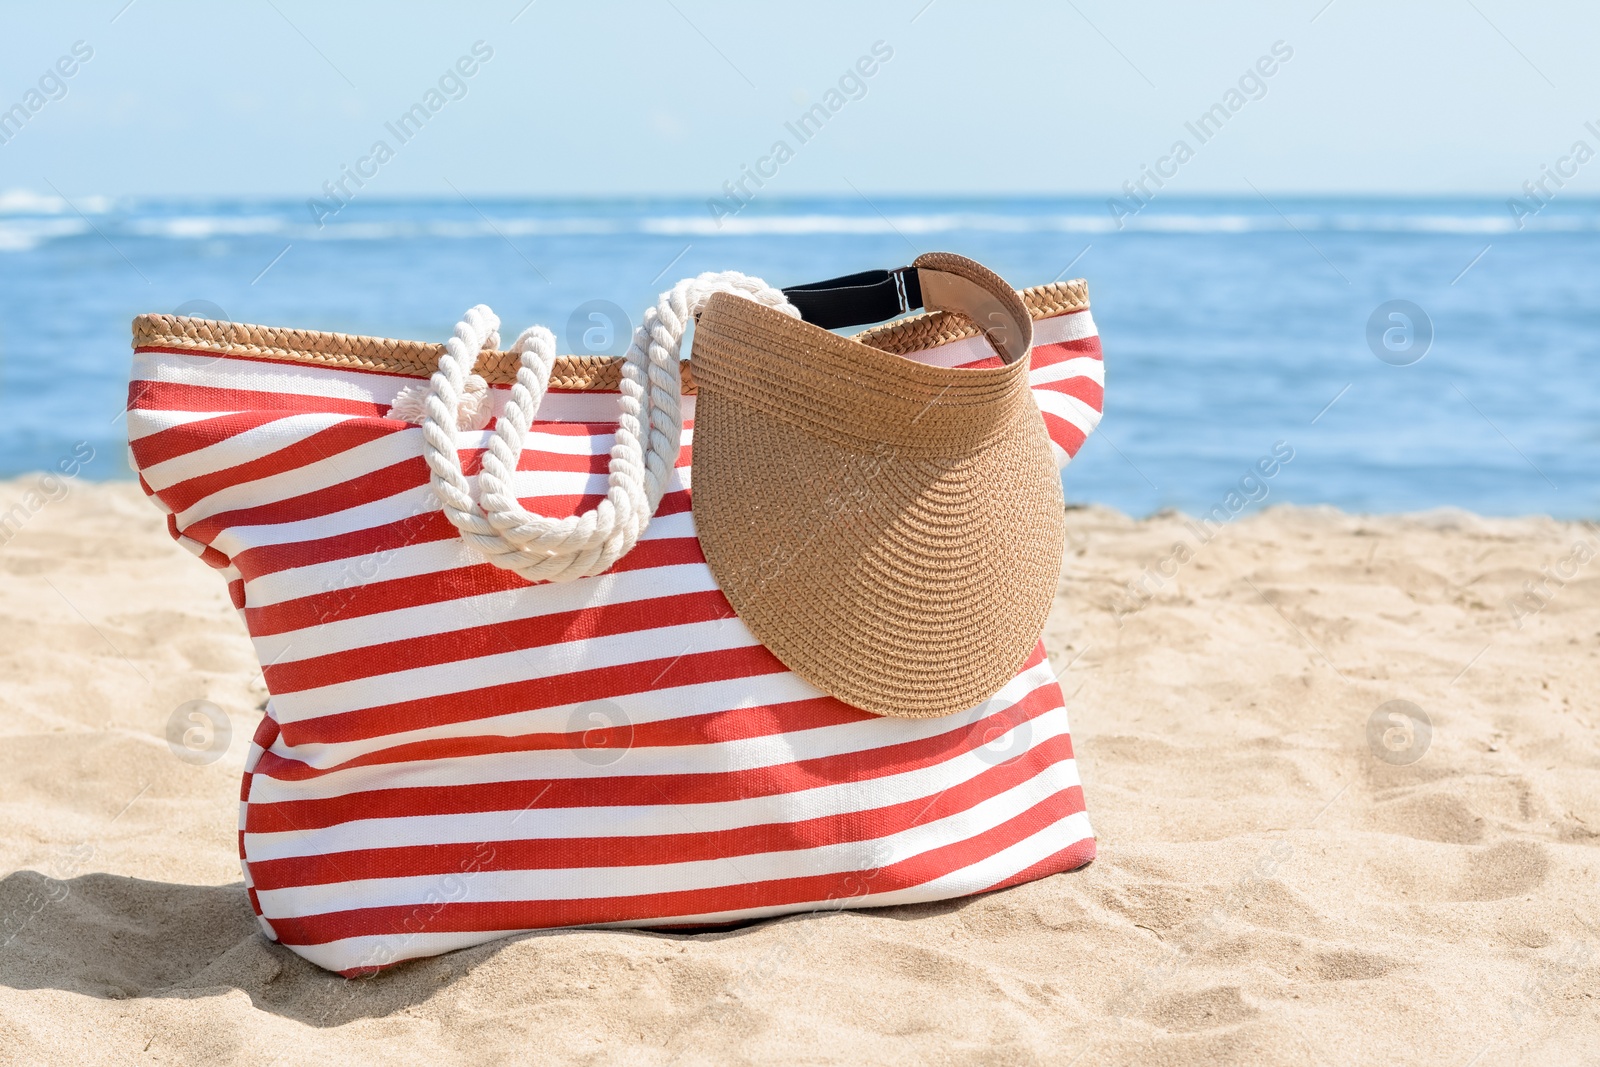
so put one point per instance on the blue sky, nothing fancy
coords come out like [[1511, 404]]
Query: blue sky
[[680, 96]]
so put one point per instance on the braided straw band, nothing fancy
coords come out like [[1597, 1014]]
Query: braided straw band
[[344, 351], [418, 359], [891, 531]]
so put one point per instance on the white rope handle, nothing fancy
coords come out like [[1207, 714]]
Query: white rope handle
[[535, 546]]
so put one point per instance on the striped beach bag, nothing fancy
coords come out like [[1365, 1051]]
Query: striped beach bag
[[513, 688]]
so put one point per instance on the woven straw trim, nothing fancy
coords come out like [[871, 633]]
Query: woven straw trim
[[417, 359], [934, 328], [379, 355]]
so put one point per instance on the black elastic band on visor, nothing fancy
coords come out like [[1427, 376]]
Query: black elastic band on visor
[[858, 299]]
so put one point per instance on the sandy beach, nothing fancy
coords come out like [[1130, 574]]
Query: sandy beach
[[1291, 870]]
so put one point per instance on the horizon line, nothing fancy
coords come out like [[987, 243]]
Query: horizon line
[[24, 192]]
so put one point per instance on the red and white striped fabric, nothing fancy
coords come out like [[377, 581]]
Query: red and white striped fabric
[[451, 755]]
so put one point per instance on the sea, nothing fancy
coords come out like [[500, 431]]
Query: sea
[[1408, 354]]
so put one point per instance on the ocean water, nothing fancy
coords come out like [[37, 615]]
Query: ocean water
[[1232, 327]]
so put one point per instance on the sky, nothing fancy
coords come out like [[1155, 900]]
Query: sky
[[277, 97]]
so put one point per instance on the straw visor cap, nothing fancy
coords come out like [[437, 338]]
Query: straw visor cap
[[892, 531]]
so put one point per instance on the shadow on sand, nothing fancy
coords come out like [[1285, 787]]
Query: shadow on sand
[[119, 938]]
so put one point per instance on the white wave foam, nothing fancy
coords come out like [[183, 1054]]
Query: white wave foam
[[1202, 223], [1148, 222], [201, 227], [28, 202], [559, 227], [1423, 223], [24, 235]]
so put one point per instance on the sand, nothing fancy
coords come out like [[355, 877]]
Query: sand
[[1274, 886]]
